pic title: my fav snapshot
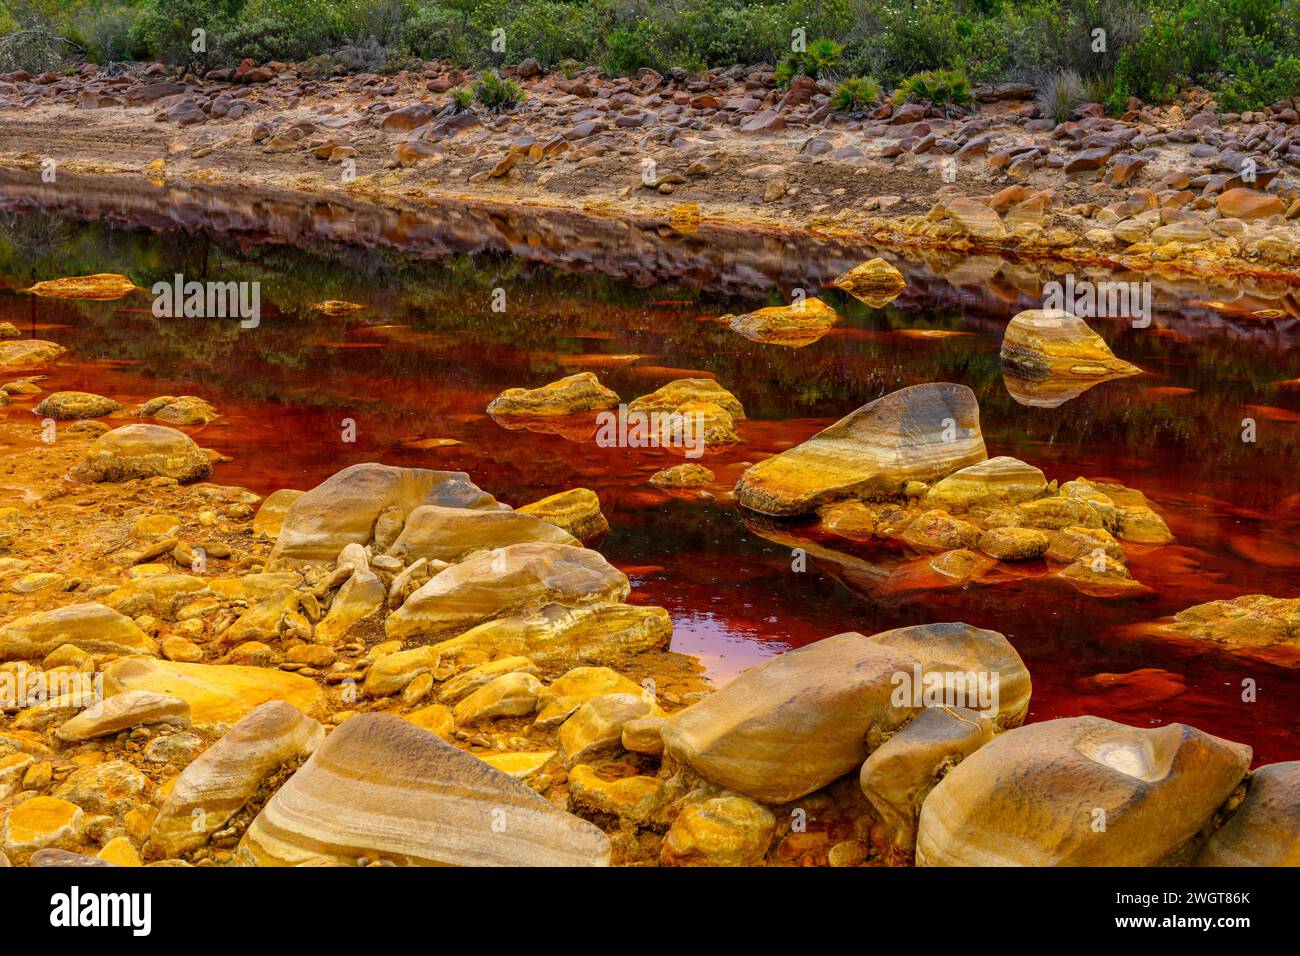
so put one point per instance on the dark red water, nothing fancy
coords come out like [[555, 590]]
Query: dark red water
[[637, 304]]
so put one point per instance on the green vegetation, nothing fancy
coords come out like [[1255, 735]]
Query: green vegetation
[[1246, 52], [856, 94], [495, 94], [942, 88]]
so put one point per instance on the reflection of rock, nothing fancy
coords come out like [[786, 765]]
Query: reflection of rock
[[1265, 829], [143, 451], [1050, 356], [793, 326], [381, 787], [918, 433], [567, 396], [1079, 791], [875, 282]]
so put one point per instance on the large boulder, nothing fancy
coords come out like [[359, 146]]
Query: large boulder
[[219, 695], [143, 451], [381, 787], [1265, 829], [557, 633], [1251, 621], [511, 580], [94, 628], [344, 508], [1079, 791], [223, 778], [793, 723], [1050, 343], [919, 433], [567, 396], [448, 534]]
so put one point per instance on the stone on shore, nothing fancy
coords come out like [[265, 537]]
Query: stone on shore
[[1000, 480], [123, 711], [373, 787], [567, 396], [875, 282], [595, 633], [270, 514], [1265, 829], [94, 628], [722, 831], [225, 777], [361, 596], [1079, 791], [448, 534], [39, 823], [143, 451], [511, 580], [918, 433], [345, 508], [219, 695], [794, 723]]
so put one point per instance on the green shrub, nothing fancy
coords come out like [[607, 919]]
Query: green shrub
[[856, 94], [107, 34], [941, 88], [497, 95], [462, 99], [1252, 87], [1060, 94], [166, 28]]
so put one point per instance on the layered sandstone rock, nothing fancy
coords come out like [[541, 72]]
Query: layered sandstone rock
[[686, 392], [94, 628], [567, 396], [554, 633], [721, 831], [123, 711], [576, 511], [918, 433], [1049, 343], [143, 451], [1265, 829], [218, 695], [223, 779], [793, 326], [1079, 791], [793, 723], [875, 282], [380, 787], [519, 578], [345, 508], [1000, 480], [448, 534]]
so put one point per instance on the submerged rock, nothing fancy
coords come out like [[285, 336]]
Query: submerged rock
[[576, 511], [380, 787], [178, 410], [1079, 791], [1265, 829], [68, 405], [448, 534], [875, 282], [683, 476], [1249, 621], [793, 326], [567, 396], [143, 451], [511, 580], [915, 434], [1049, 343], [344, 508], [29, 353]]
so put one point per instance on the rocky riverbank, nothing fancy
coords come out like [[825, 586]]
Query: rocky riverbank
[[313, 677], [1179, 190]]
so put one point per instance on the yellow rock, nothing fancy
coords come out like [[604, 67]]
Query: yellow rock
[[155, 526], [567, 396], [724, 831], [218, 694], [576, 511], [1050, 343], [633, 798], [570, 691], [93, 628], [42, 822], [600, 632], [120, 852], [435, 718], [99, 286], [688, 391], [875, 282], [793, 326], [271, 513], [521, 765]]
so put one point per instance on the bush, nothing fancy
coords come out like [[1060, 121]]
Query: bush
[[856, 95], [462, 99], [941, 88], [1253, 87], [497, 95], [1060, 95], [107, 34]]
